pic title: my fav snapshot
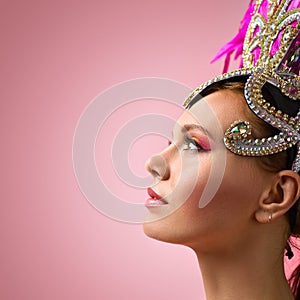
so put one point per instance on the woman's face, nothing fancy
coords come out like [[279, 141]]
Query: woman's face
[[181, 173]]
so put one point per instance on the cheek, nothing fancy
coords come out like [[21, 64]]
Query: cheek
[[235, 200], [190, 180], [243, 178], [240, 190], [184, 198]]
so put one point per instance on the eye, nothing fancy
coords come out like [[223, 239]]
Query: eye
[[190, 143]]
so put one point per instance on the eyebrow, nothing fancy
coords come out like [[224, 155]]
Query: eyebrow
[[192, 126], [188, 127]]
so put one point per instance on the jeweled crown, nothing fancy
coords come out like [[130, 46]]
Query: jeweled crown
[[271, 55]]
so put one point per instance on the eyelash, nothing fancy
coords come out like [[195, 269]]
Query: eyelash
[[188, 141], [187, 144]]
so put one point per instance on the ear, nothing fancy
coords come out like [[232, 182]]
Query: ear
[[279, 197]]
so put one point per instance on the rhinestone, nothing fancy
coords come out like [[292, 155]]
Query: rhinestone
[[241, 128]]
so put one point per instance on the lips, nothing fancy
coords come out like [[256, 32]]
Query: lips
[[155, 200]]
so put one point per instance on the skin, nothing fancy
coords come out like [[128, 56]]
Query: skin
[[231, 236]]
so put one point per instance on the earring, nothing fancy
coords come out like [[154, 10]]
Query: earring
[[270, 218]]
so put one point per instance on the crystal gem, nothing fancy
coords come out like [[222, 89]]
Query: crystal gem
[[241, 128], [291, 60], [292, 90]]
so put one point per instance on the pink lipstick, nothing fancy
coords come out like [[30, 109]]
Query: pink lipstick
[[155, 200]]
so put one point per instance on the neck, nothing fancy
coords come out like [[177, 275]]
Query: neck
[[244, 274]]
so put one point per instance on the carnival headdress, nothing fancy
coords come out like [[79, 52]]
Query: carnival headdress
[[269, 40]]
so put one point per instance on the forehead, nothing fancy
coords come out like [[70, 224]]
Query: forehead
[[219, 108]]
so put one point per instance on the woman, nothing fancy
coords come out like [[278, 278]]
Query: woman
[[240, 236]]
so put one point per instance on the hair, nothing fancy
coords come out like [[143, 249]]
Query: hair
[[272, 163]]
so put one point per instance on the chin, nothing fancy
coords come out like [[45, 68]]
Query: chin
[[156, 231], [163, 231]]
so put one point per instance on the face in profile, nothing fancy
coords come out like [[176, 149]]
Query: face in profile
[[182, 170]]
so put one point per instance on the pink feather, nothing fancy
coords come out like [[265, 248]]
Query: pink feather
[[236, 44]]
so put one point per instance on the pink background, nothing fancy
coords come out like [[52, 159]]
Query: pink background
[[56, 56]]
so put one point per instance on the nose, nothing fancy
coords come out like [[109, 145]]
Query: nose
[[158, 167]]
